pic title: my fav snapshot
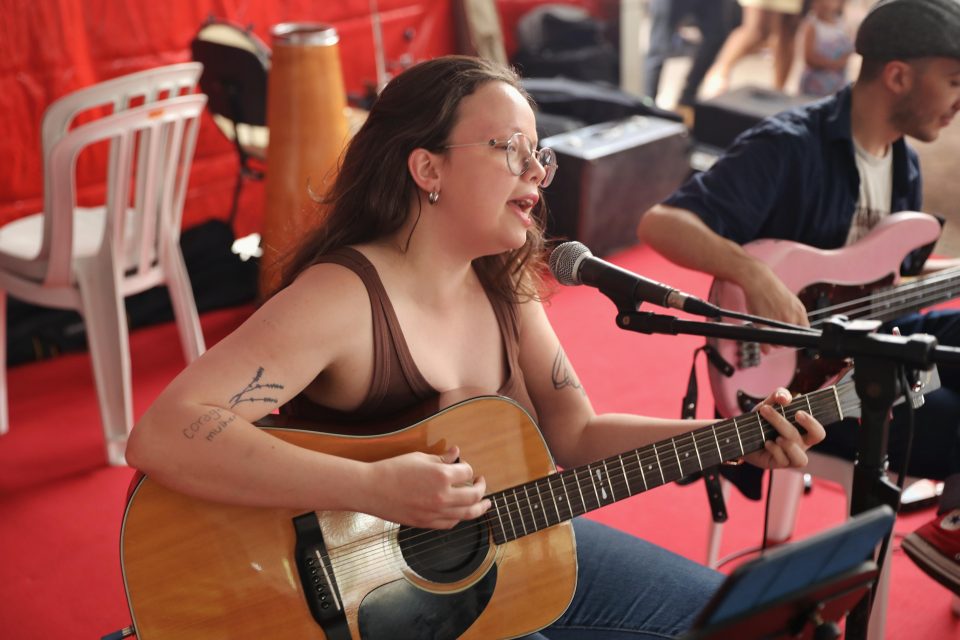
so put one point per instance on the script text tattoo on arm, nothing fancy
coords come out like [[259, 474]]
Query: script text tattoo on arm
[[208, 425], [211, 423]]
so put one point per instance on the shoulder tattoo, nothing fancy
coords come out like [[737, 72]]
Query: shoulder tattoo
[[561, 375]]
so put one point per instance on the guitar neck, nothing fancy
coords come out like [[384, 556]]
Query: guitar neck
[[547, 501], [892, 303]]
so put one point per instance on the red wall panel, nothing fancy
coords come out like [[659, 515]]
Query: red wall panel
[[49, 48]]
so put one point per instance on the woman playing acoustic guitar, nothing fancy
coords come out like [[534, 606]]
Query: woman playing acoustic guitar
[[422, 279]]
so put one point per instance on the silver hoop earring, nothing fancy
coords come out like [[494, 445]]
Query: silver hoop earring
[[433, 197]]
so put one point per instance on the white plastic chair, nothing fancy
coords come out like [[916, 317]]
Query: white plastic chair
[[90, 259], [785, 495]]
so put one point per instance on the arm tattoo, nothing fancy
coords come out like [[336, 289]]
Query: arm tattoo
[[561, 373], [255, 385], [208, 425], [211, 423]]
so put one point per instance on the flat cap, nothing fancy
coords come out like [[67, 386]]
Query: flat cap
[[904, 29]]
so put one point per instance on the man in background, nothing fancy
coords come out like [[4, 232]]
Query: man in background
[[824, 174]]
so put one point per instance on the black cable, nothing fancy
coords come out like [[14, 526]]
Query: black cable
[[766, 513], [726, 313]]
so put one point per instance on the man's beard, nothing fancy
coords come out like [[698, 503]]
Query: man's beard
[[908, 118]]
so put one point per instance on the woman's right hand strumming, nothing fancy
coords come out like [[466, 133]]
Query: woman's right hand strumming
[[424, 490]]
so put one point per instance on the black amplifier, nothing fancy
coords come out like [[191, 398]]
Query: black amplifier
[[718, 121], [609, 175]]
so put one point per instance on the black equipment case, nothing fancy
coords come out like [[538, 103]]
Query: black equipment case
[[610, 174]]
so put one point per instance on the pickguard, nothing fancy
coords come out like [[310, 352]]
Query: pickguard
[[402, 611]]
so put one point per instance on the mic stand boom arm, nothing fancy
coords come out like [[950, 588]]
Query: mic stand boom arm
[[880, 362]]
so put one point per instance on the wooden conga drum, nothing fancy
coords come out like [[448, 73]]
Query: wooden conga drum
[[306, 103]]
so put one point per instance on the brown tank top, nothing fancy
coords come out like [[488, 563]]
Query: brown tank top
[[397, 385]]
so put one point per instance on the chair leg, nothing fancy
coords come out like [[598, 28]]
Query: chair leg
[[4, 413], [184, 305], [109, 343], [785, 494], [787, 490]]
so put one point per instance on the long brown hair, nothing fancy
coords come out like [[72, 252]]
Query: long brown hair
[[373, 189]]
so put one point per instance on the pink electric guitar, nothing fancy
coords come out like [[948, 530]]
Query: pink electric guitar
[[859, 281]]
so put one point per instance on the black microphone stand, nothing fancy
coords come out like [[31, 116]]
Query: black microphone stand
[[881, 362]]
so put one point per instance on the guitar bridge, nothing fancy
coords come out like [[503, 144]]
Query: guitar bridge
[[317, 579]]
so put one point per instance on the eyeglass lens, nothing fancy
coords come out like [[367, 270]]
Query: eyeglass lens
[[520, 153]]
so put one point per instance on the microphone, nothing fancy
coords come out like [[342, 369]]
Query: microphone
[[572, 263]]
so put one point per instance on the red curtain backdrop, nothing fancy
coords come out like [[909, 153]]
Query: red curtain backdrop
[[50, 48]]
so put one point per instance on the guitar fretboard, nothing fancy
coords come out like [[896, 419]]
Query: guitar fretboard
[[893, 302], [547, 501]]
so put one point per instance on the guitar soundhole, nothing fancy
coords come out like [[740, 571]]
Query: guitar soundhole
[[448, 555]]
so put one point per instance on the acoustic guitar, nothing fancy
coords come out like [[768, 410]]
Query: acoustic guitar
[[860, 281], [197, 569]]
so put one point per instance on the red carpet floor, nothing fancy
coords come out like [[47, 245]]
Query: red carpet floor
[[60, 505]]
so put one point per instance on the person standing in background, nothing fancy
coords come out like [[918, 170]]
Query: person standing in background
[[713, 18], [824, 174], [761, 20], [827, 46]]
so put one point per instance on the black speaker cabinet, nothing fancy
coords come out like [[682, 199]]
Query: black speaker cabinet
[[609, 174], [718, 121]]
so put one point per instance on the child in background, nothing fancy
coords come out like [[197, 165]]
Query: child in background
[[826, 48]]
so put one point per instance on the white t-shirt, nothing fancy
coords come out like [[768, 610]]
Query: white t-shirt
[[876, 191]]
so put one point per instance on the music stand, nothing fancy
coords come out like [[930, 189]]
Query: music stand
[[799, 590]]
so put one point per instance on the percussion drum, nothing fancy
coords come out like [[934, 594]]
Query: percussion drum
[[306, 114], [236, 63]]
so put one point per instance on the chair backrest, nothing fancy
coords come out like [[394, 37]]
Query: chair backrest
[[151, 154], [145, 86], [235, 68], [142, 87]]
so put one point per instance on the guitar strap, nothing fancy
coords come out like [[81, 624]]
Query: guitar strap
[[711, 475]]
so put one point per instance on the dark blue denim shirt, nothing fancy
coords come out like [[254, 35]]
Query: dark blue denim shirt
[[793, 176]]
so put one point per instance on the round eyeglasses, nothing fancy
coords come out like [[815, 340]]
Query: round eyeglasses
[[520, 152]]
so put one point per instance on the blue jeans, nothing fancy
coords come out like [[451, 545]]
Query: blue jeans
[[628, 588], [714, 18]]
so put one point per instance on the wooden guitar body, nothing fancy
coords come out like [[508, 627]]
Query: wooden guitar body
[[197, 569]]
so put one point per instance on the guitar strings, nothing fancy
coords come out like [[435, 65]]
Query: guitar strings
[[936, 292], [470, 532], [931, 289], [937, 284], [578, 474], [463, 539], [355, 563], [366, 562]]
